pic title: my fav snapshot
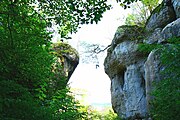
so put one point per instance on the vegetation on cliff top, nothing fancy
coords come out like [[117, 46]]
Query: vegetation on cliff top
[[141, 12], [64, 48]]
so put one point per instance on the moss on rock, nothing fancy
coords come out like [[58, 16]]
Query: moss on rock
[[64, 48], [67, 57], [126, 32]]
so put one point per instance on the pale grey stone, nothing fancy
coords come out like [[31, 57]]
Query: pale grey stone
[[152, 68], [161, 18], [124, 65], [171, 30], [176, 5], [154, 37], [132, 72]]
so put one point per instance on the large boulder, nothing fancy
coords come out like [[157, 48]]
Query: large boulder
[[126, 32], [172, 29], [121, 47], [161, 16], [67, 57], [154, 37], [162, 35]]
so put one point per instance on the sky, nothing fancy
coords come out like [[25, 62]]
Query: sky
[[86, 79]]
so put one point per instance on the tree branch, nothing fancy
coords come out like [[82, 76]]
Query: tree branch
[[103, 49]]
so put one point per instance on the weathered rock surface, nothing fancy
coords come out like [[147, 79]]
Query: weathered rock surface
[[121, 57], [125, 65], [160, 17], [152, 68], [154, 37], [172, 29], [67, 57], [132, 72], [128, 97], [70, 63], [126, 33], [176, 5]]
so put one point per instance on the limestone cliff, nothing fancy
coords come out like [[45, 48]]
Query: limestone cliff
[[132, 72], [67, 57]]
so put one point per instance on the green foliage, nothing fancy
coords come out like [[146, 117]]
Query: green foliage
[[139, 15], [131, 32], [150, 4], [18, 103], [65, 106], [147, 48], [158, 8], [166, 104], [25, 63], [141, 12], [106, 114], [69, 14], [24, 47], [130, 20], [110, 115], [63, 48], [30, 89]]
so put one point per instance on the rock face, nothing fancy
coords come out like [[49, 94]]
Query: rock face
[[125, 67], [176, 5], [132, 72], [171, 29], [67, 57], [152, 68], [161, 16], [70, 63]]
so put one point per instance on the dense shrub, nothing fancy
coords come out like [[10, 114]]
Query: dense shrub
[[166, 105], [166, 102]]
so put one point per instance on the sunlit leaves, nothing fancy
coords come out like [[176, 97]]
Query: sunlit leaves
[[25, 61], [150, 4], [70, 14], [31, 90], [141, 12]]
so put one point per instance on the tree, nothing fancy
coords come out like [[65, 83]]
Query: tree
[[26, 75], [139, 15], [141, 12], [25, 62], [150, 4], [92, 52], [69, 14]]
